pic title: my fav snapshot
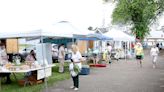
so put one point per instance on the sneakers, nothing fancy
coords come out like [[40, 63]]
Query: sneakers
[[72, 87], [76, 89]]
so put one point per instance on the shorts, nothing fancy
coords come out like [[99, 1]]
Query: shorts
[[154, 58], [139, 57]]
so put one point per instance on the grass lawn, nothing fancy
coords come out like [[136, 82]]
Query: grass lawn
[[14, 87]]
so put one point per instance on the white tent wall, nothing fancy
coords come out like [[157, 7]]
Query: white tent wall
[[103, 45], [117, 44]]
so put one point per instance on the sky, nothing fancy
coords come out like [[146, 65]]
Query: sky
[[29, 13], [23, 15]]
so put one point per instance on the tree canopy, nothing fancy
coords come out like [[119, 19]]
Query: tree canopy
[[138, 13]]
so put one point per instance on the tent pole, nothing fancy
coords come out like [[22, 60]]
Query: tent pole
[[0, 84], [44, 64], [87, 50]]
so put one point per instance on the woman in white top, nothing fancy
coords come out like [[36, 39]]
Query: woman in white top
[[154, 53], [76, 61]]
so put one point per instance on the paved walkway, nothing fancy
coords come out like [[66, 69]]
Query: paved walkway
[[122, 76]]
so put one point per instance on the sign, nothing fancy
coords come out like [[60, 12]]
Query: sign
[[42, 73]]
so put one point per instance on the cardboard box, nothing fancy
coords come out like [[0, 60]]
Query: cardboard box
[[12, 46]]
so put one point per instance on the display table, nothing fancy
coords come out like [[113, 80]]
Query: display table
[[27, 70], [42, 72]]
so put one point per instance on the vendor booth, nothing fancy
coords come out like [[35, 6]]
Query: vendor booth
[[95, 54], [43, 63], [122, 41]]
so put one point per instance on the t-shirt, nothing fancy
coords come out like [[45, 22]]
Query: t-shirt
[[76, 57], [109, 48], [61, 50], [30, 58], [54, 52], [139, 50], [154, 51]]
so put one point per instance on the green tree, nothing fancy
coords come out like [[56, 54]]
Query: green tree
[[138, 13]]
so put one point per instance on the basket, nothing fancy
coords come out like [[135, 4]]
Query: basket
[[33, 80], [21, 82]]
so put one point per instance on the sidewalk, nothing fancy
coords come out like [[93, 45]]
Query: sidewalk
[[122, 76]]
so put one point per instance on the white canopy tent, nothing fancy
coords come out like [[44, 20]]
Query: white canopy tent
[[118, 37], [154, 37], [60, 29]]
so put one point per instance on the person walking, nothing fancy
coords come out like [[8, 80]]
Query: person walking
[[139, 53], [75, 66], [109, 50], [61, 58], [154, 53]]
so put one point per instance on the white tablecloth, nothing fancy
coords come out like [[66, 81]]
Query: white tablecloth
[[24, 71]]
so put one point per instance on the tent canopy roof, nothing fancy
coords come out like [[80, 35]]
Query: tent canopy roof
[[94, 36], [60, 29], [119, 35]]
